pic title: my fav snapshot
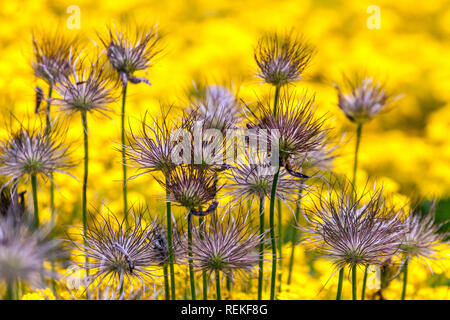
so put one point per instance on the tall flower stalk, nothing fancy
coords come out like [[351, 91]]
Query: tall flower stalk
[[128, 52], [150, 150], [88, 88], [365, 99], [354, 230]]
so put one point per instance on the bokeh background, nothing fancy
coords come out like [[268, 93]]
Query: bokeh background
[[405, 148]]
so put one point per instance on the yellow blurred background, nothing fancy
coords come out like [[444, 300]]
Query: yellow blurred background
[[403, 43]]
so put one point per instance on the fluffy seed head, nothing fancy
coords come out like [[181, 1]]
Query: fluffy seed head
[[225, 244], [31, 151], [354, 230], [87, 88], [151, 148], [216, 106], [293, 131], [190, 187], [424, 235], [52, 56], [23, 248], [129, 52], [362, 98], [119, 257], [281, 58], [251, 178]]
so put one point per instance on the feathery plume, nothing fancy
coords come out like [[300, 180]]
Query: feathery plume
[[129, 52], [362, 98], [30, 151], [282, 58]]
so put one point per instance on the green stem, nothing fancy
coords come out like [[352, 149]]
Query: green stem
[[275, 103], [354, 283], [405, 278], [358, 140], [341, 280], [272, 233], [191, 268], [204, 277], [124, 166], [170, 244], [9, 295], [166, 283], [294, 239], [363, 291], [280, 243], [218, 284], [261, 247], [47, 111], [35, 200], [228, 284], [86, 168]]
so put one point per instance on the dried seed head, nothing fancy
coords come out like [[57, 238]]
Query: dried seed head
[[282, 58], [87, 88], [225, 244], [354, 230], [130, 51], [424, 235], [216, 106], [24, 248], [31, 151], [365, 99], [52, 56], [190, 187], [119, 257], [293, 131], [152, 147], [250, 177]]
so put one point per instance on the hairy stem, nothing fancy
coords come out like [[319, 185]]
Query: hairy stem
[[35, 200], [166, 283], [341, 280], [170, 244], [218, 285], [124, 165], [363, 291], [354, 283], [191, 267], [86, 169], [261, 247], [405, 279], [280, 243], [355, 163], [275, 102], [204, 277], [272, 233]]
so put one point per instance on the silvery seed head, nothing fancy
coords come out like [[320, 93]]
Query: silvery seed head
[[362, 98], [30, 152], [294, 131], [190, 187], [88, 88], [151, 148], [354, 230], [119, 257], [24, 248], [129, 52], [52, 56], [282, 58], [225, 244], [252, 177], [424, 236], [216, 106]]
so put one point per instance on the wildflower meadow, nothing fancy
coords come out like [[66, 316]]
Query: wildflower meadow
[[224, 150]]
